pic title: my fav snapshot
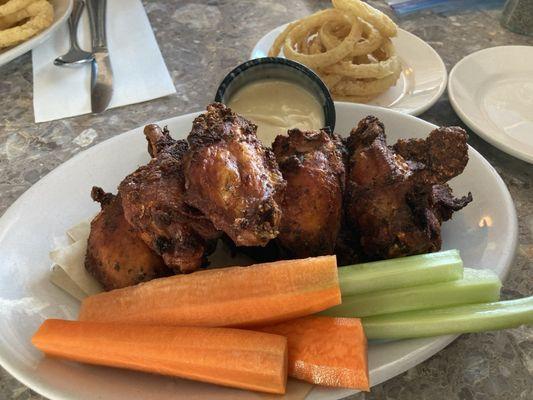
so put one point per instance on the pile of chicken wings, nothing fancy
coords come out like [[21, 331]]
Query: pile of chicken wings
[[312, 194]]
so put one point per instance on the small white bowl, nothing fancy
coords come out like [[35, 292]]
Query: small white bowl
[[492, 92]]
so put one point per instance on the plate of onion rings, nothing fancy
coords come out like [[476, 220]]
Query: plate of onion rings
[[25, 24], [362, 56]]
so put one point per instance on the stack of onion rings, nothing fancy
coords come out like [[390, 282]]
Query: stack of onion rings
[[348, 46], [22, 19]]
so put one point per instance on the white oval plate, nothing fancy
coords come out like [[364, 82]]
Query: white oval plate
[[421, 83], [492, 92], [485, 232], [62, 9]]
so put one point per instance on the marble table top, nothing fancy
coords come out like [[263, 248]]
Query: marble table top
[[208, 38]]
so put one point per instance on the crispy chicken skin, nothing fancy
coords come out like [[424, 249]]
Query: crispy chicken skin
[[152, 198], [232, 178], [440, 157], [311, 163], [116, 256], [396, 205]]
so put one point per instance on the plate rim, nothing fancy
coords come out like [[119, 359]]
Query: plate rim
[[413, 111], [36, 40], [437, 344], [478, 130]]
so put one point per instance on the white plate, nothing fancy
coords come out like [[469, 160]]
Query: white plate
[[62, 9], [485, 232], [421, 83], [492, 92]]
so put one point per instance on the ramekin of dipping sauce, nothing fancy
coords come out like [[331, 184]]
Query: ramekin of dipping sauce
[[277, 94]]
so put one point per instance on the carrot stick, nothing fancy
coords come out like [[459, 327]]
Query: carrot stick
[[261, 294], [229, 357], [326, 351]]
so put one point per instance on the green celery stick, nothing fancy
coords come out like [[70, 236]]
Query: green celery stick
[[452, 320], [477, 286], [401, 272]]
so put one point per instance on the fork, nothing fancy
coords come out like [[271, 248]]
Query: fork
[[75, 56]]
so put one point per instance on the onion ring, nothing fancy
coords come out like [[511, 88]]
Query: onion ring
[[12, 6], [315, 47], [314, 21], [329, 79], [366, 87], [278, 43], [382, 22], [364, 71], [330, 34], [388, 66], [370, 41], [347, 46], [41, 16], [9, 20]]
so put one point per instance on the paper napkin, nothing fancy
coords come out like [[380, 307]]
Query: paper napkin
[[139, 71]]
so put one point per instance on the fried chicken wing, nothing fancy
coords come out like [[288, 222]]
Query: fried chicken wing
[[116, 256], [232, 178], [438, 158], [311, 163], [153, 202], [396, 197]]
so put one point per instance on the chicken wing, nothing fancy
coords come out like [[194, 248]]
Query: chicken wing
[[440, 157], [116, 256], [232, 178], [312, 164], [396, 205], [152, 198]]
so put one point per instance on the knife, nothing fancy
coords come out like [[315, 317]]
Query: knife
[[101, 72]]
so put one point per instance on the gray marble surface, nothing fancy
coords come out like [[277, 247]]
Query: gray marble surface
[[201, 42]]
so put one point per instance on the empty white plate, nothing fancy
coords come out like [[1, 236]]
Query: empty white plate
[[421, 83], [492, 92]]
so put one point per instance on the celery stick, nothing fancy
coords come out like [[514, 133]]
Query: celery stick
[[401, 272], [477, 286], [452, 320]]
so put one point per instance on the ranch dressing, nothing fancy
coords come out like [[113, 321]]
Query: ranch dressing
[[276, 106]]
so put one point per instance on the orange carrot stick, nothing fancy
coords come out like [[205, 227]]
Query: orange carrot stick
[[233, 297], [326, 351], [229, 357]]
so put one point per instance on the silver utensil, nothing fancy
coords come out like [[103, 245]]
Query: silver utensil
[[101, 72], [75, 56]]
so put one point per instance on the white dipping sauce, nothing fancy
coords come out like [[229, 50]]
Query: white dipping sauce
[[276, 106]]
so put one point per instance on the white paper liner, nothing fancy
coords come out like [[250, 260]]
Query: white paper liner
[[80, 231], [72, 260]]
